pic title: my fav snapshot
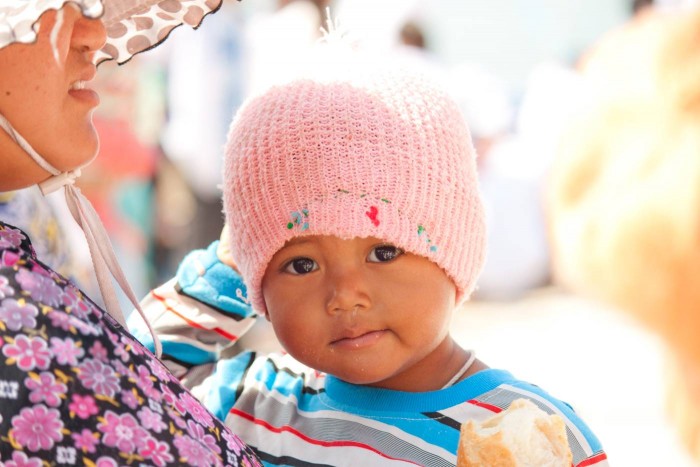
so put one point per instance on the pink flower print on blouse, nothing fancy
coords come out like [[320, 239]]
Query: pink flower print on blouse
[[28, 353], [144, 378], [20, 459], [196, 409], [106, 462], [45, 388], [98, 351], [17, 315], [130, 399], [131, 345], [122, 432], [196, 431], [158, 369], [151, 420], [95, 310], [157, 451], [11, 238], [232, 441], [60, 320], [85, 328], [86, 440], [37, 427], [66, 351], [122, 369], [41, 288], [120, 351], [73, 303], [177, 418], [5, 289], [112, 336], [98, 377], [8, 259], [83, 406], [172, 399], [193, 453]]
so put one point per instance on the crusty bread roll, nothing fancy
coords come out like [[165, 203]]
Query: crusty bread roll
[[522, 436]]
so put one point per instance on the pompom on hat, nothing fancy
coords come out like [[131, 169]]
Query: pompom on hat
[[354, 148]]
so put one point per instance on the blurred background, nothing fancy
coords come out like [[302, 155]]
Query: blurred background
[[510, 64], [516, 67]]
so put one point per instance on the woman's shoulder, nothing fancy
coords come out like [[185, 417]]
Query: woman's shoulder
[[77, 386]]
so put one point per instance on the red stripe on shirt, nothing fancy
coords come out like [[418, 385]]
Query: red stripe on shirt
[[593, 460], [309, 440], [486, 406], [191, 323]]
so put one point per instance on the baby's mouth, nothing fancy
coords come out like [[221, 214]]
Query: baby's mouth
[[359, 340]]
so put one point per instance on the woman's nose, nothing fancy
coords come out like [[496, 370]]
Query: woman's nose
[[89, 35], [348, 290]]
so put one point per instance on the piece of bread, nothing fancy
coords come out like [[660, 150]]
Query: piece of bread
[[522, 436]]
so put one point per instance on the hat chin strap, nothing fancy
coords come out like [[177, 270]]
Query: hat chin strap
[[103, 258]]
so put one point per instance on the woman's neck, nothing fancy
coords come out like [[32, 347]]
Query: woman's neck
[[17, 169]]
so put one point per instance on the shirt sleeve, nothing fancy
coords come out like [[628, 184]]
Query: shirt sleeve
[[198, 315]]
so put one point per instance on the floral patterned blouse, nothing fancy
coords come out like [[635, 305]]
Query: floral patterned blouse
[[77, 389]]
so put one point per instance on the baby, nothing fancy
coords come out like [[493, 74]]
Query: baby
[[355, 221]]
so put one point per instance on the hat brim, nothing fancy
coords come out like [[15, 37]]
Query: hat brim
[[133, 26]]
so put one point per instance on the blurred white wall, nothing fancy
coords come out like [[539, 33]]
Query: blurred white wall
[[510, 37]]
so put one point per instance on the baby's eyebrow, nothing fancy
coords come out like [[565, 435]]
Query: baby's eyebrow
[[297, 241]]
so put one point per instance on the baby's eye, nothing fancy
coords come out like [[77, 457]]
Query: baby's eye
[[384, 253], [300, 266]]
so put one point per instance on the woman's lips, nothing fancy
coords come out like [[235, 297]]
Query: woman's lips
[[85, 95], [359, 342], [80, 90]]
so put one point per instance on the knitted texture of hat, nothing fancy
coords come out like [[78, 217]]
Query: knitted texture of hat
[[360, 152]]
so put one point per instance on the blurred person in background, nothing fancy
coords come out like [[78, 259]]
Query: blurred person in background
[[515, 158], [119, 183], [76, 386], [413, 51], [203, 75], [624, 201], [277, 43], [235, 56]]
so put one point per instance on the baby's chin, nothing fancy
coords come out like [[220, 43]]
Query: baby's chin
[[359, 376], [364, 378]]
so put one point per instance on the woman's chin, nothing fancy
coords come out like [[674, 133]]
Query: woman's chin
[[82, 156]]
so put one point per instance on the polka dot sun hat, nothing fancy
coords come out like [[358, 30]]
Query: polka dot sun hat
[[133, 26]]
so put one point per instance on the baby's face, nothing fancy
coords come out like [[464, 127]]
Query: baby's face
[[361, 310]]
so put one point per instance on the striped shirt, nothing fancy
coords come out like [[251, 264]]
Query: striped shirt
[[293, 415]]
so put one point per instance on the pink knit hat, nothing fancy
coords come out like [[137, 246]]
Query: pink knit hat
[[354, 151]]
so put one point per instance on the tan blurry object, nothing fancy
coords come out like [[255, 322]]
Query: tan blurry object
[[625, 193], [624, 203], [521, 436], [683, 403]]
